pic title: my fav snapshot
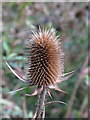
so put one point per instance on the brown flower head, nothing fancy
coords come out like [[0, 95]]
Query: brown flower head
[[45, 62], [45, 59]]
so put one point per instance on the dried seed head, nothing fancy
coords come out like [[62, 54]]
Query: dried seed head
[[45, 58]]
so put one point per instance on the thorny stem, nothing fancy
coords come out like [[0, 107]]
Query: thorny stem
[[40, 111]]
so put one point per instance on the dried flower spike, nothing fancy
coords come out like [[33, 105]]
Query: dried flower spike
[[45, 67], [45, 62], [45, 58]]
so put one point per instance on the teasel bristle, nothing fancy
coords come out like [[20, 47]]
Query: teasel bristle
[[45, 58]]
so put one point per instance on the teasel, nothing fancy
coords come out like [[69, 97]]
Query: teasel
[[45, 58], [45, 66]]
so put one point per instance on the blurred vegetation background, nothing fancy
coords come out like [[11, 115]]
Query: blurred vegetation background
[[70, 20]]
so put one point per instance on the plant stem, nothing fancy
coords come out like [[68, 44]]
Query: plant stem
[[40, 112], [24, 107]]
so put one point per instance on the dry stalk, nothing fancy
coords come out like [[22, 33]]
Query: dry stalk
[[69, 110], [24, 107], [40, 111]]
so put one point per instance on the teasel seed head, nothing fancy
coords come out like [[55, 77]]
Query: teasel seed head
[[45, 63], [45, 58]]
